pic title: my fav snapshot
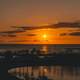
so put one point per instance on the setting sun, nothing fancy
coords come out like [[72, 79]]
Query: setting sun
[[44, 36]]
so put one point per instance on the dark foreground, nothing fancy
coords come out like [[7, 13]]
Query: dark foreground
[[36, 60]]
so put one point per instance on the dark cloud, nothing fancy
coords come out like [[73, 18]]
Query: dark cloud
[[18, 41], [11, 32], [23, 40], [14, 35], [11, 35], [8, 35], [21, 29], [63, 34], [67, 25], [30, 34], [32, 27], [75, 34], [58, 25], [70, 34]]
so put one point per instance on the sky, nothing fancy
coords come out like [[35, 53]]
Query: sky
[[38, 13]]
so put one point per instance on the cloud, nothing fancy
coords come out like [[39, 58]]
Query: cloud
[[31, 27], [21, 29], [63, 34], [8, 35], [58, 25], [30, 34], [75, 34], [15, 35], [23, 40], [70, 34], [11, 32], [18, 40], [67, 25], [11, 35]]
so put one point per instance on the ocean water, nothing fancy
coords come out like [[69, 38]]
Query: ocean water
[[45, 47], [51, 72]]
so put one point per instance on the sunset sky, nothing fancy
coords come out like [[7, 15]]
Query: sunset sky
[[35, 13]]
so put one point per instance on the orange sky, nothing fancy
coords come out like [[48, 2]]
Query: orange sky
[[37, 37], [38, 13]]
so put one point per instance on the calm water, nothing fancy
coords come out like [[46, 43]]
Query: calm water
[[52, 72], [45, 48]]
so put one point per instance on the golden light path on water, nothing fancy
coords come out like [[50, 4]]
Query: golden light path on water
[[52, 72]]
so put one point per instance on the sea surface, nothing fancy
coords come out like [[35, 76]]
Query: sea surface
[[49, 48], [51, 72]]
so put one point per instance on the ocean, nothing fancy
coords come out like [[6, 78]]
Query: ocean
[[49, 48], [56, 72]]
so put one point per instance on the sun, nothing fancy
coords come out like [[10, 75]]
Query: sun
[[44, 36]]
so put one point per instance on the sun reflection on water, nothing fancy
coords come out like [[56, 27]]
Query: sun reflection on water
[[44, 49]]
